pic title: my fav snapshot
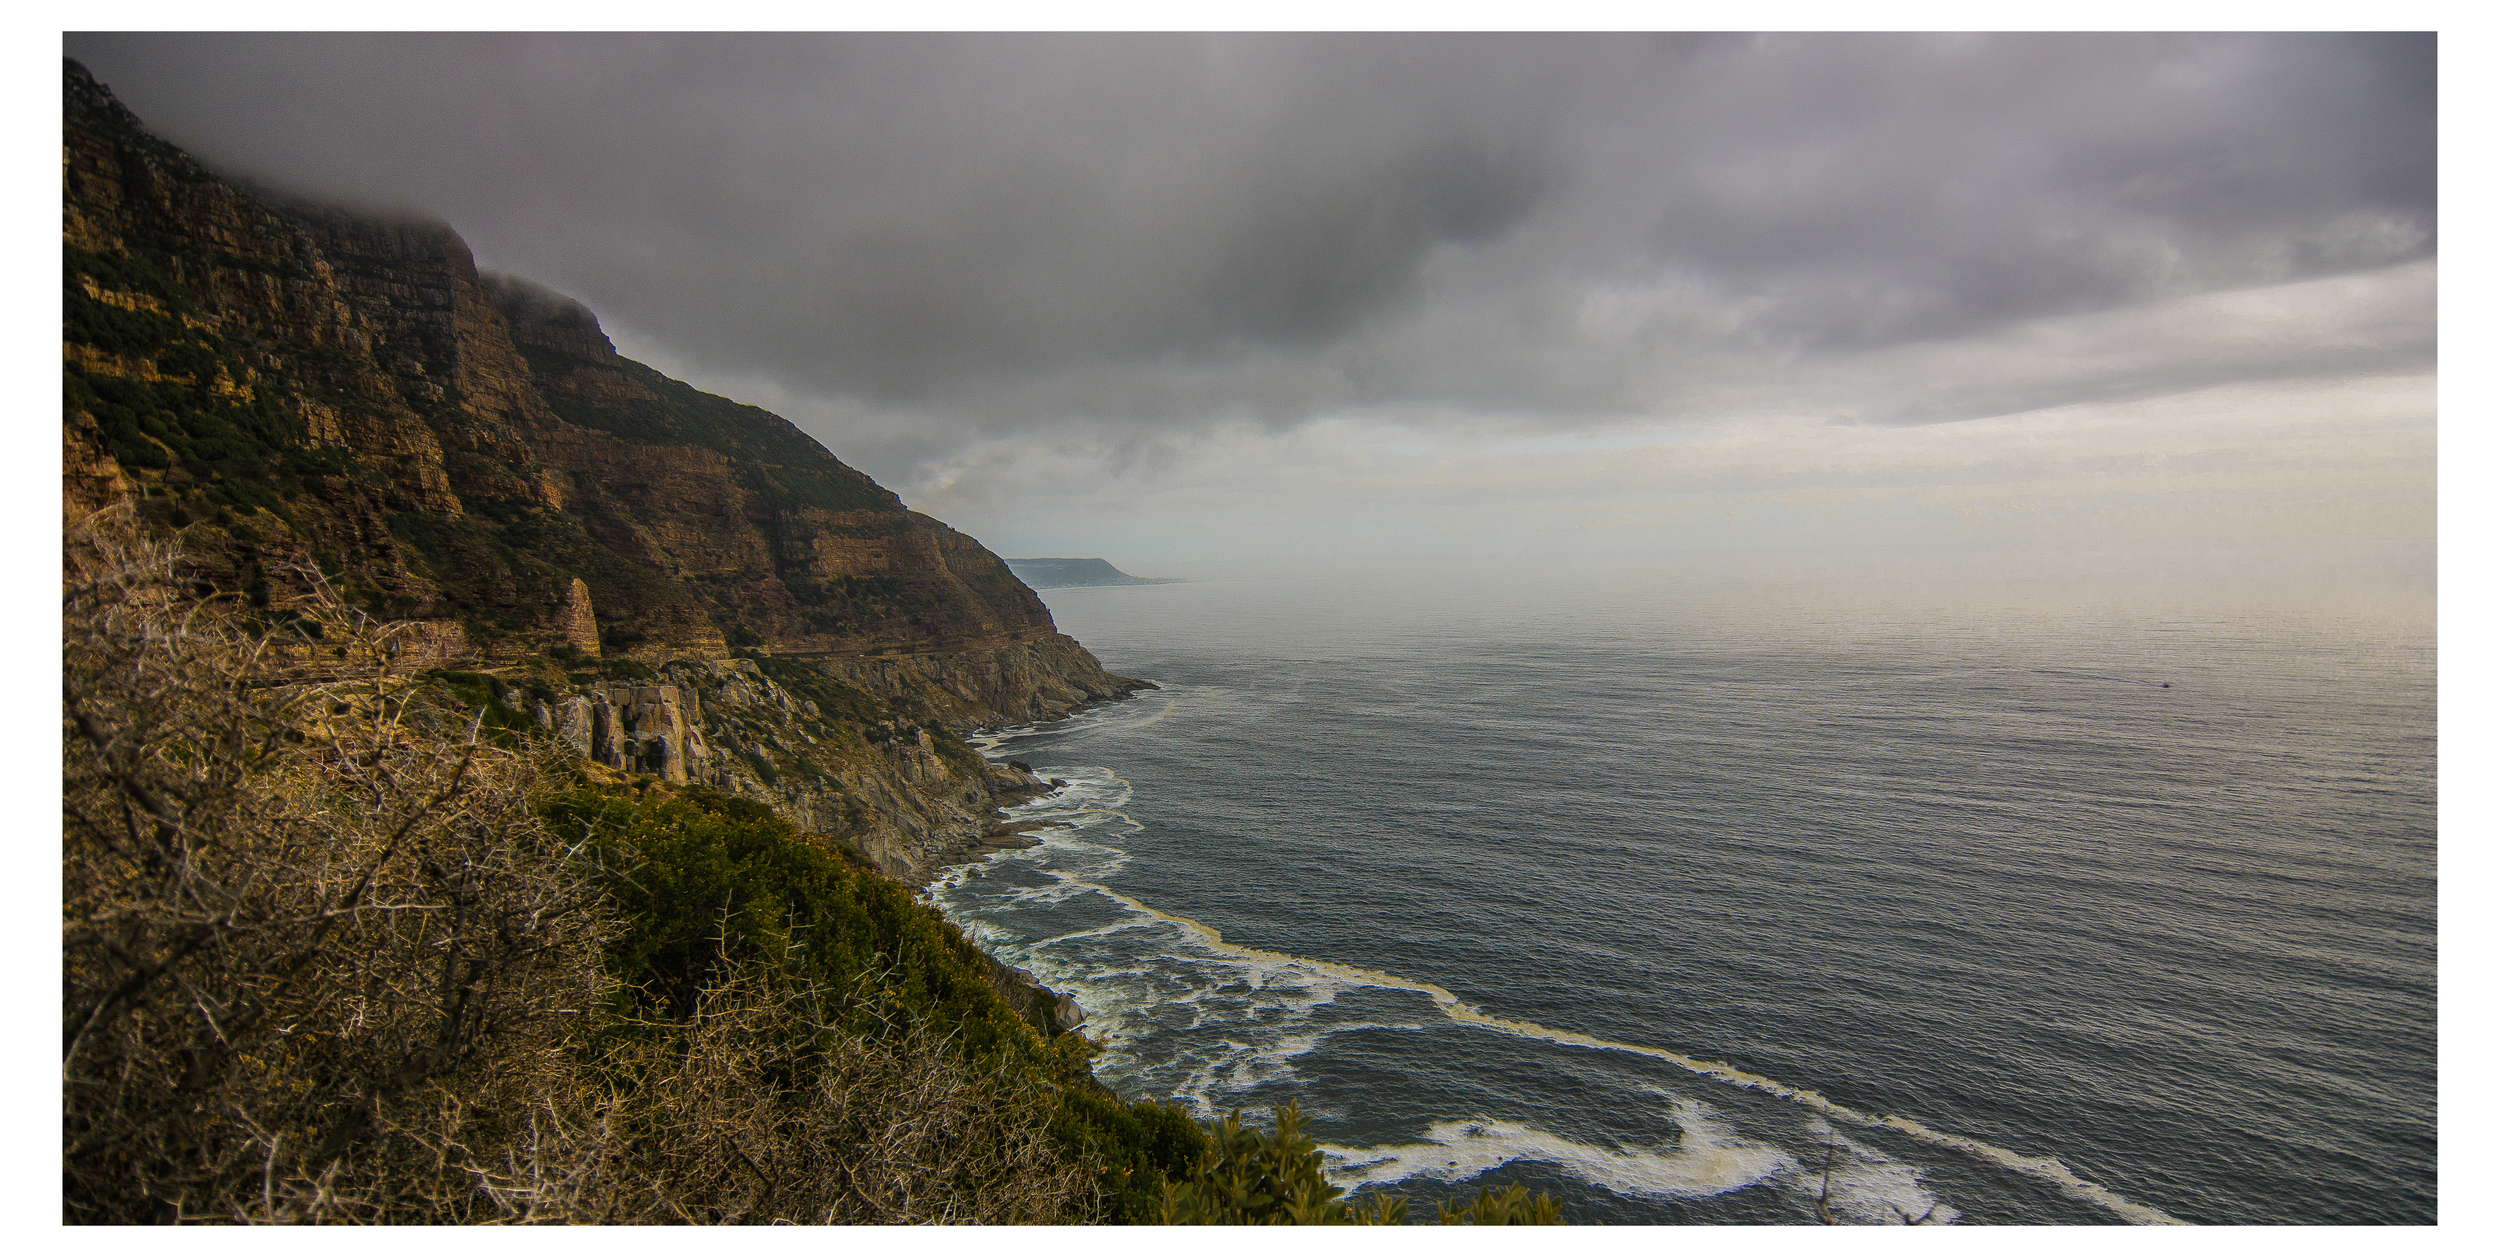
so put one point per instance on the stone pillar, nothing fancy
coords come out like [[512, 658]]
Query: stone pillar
[[576, 622]]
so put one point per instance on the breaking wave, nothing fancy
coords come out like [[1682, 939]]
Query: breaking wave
[[1183, 1013]]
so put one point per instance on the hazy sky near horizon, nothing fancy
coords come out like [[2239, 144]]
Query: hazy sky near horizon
[[1184, 301]]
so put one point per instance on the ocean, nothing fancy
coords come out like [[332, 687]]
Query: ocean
[[1708, 894]]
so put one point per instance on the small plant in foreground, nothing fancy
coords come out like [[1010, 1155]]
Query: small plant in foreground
[[1250, 1177], [1508, 1207]]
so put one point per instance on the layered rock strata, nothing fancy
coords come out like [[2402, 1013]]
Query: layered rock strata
[[302, 387], [671, 583]]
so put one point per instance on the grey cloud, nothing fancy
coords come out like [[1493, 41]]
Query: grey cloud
[[893, 215], [947, 238], [1902, 187]]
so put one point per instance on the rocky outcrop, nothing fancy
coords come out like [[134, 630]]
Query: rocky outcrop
[[828, 757], [1047, 1010], [569, 719], [643, 729], [442, 344], [216, 375]]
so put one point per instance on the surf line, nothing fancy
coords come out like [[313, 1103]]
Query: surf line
[[992, 743], [2049, 1170]]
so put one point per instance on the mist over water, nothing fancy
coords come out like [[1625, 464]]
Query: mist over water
[[1667, 888]]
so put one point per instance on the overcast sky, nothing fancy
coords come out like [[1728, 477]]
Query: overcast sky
[[1189, 301]]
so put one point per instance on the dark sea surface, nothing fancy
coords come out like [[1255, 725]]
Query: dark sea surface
[[1680, 897]]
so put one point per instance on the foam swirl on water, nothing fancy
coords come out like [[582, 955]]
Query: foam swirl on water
[[1233, 988]]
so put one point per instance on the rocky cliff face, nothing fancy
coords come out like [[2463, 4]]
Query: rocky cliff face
[[780, 543], [671, 576], [830, 757]]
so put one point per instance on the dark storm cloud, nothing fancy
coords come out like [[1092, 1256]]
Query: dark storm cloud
[[1010, 234], [1895, 187]]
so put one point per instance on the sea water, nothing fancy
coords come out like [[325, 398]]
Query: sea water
[[1700, 895]]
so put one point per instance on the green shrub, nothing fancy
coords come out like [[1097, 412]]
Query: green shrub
[[709, 887], [1249, 1177], [627, 669], [1508, 1207], [307, 926]]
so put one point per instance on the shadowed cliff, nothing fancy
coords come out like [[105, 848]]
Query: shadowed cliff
[[296, 384], [298, 393]]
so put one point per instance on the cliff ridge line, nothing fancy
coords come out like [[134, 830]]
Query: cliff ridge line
[[661, 578]]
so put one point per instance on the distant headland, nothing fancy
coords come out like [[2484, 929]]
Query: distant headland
[[1064, 573]]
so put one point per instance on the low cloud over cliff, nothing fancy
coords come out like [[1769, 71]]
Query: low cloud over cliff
[[933, 251]]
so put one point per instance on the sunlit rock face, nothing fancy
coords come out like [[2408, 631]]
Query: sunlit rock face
[[787, 546]]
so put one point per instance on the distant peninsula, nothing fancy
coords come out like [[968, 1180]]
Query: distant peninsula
[[1066, 573]]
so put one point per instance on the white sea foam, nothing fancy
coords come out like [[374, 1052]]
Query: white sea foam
[[1707, 1159], [2046, 1169], [1098, 931], [1300, 983], [1869, 1187]]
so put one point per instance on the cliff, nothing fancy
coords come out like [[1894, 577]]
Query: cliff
[[679, 585]]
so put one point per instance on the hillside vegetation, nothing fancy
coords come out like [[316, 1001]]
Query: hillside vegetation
[[335, 949], [495, 774], [333, 954]]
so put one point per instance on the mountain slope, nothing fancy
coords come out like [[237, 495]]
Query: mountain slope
[[294, 385], [782, 542]]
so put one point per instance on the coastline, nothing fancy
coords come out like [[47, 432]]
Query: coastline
[[1051, 1011], [1188, 1012]]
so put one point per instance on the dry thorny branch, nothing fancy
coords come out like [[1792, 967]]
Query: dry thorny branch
[[319, 960], [291, 905], [763, 1111]]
